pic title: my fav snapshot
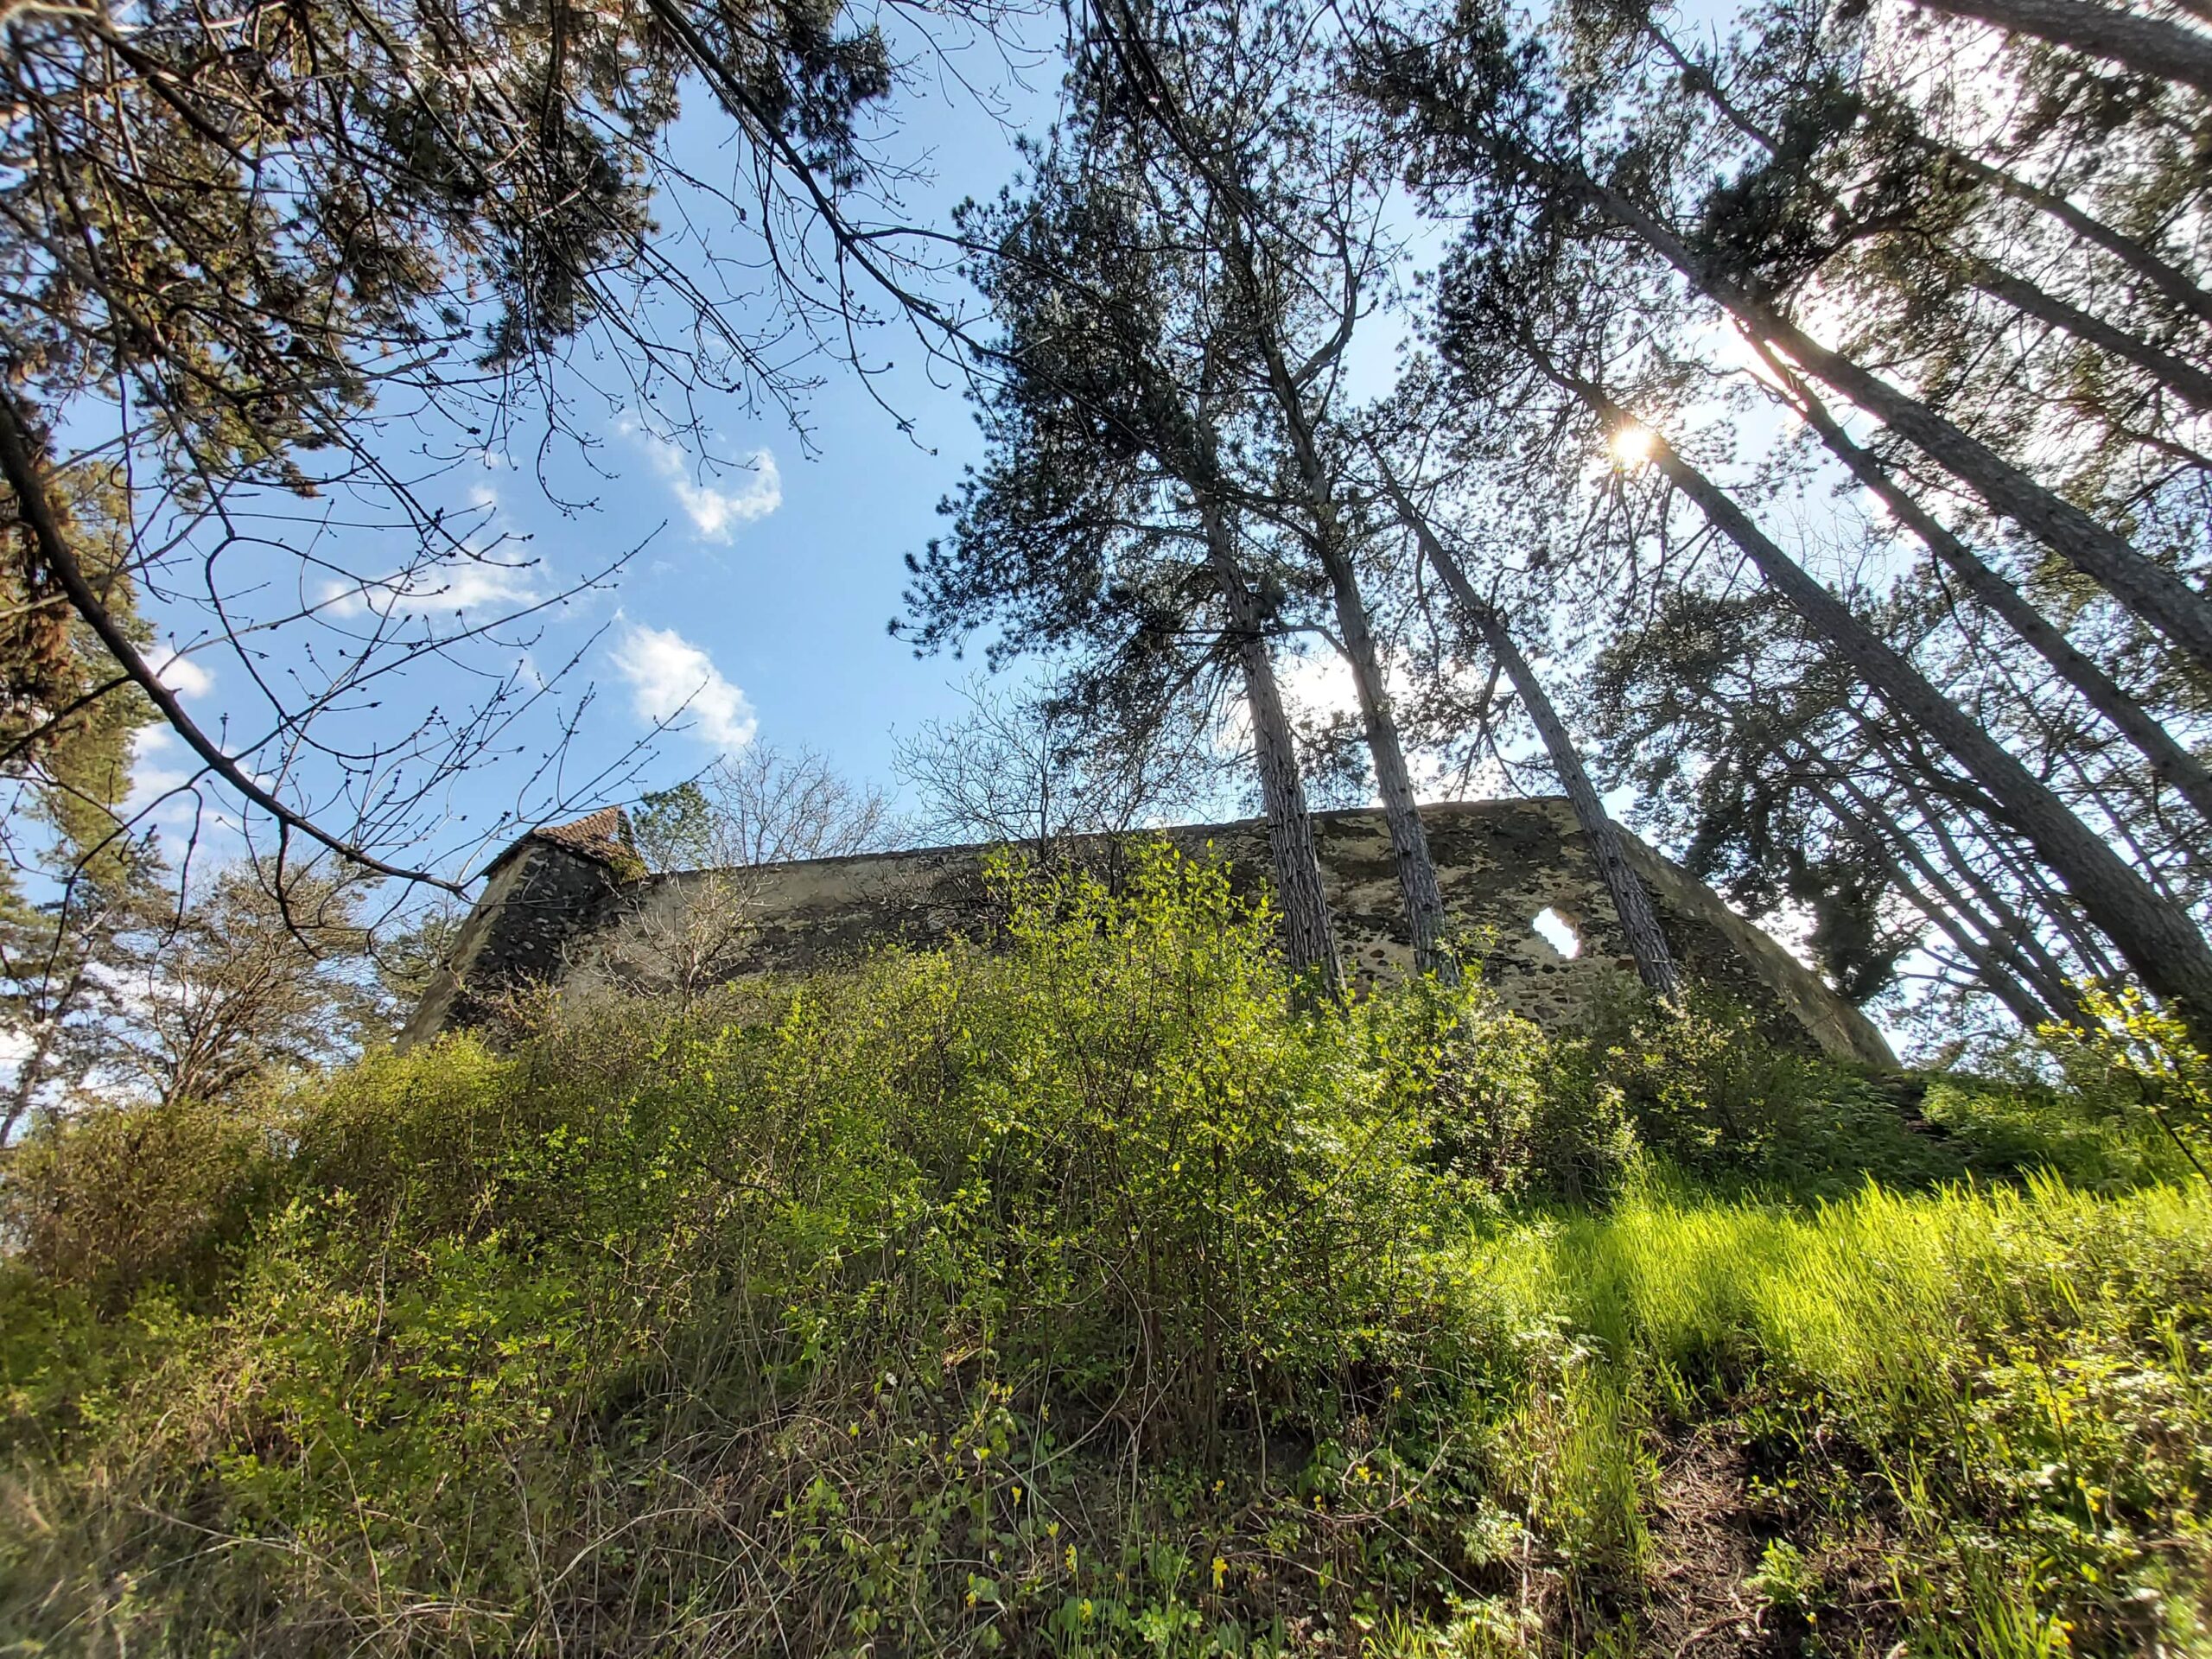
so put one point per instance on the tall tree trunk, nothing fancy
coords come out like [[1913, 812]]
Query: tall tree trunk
[[2056, 909], [1263, 328], [1417, 882], [1308, 937], [1911, 773], [2175, 283], [2010, 941], [2064, 915], [2169, 760], [2169, 279], [1647, 942], [1994, 975], [2185, 380], [2163, 948], [2153, 592], [2148, 46], [1424, 900], [2125, 817]]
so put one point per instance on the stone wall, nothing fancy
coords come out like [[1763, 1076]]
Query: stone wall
[[541, 899], [558, 907]]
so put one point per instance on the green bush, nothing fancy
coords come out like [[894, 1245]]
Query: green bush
[[2133, 1061], [1084, 1291], [1524, 1118], [891, 1220], [1705, 1086], [117, 1199]]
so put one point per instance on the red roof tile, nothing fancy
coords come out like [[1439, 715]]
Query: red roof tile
[[601, 835]]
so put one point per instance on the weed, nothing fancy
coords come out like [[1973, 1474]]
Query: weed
[[1094, 1295]]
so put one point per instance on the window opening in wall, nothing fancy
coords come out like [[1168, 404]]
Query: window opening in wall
[[1557, 931]]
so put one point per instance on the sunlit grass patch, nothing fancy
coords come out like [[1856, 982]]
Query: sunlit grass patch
[[2006, 1387]]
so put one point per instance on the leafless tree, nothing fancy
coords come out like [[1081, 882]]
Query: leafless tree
[[761, 805], [1036, 768], [486, 246], [680, 941]]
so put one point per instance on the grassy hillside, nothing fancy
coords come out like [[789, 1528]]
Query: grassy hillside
[[1095, 1296]]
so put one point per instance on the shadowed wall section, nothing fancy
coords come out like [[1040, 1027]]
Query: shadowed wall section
[[560, 903]]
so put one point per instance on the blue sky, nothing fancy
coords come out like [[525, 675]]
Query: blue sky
[[757, 600], [768, 559], [771, 587]]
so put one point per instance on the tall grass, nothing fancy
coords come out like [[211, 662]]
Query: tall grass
[[1095, 1294], [2005, 1391]]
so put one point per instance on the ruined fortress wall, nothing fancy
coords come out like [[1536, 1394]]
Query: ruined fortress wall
[[558, 910], [541, 899]]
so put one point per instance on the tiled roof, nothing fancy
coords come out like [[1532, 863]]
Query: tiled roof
[[601, 835]]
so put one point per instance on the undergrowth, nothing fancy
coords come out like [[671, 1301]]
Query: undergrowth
[[1096, 1292]]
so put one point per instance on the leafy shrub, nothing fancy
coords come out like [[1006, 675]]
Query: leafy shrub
[[2134, 1061], [1524, 1117], [1197, 1187], [1086, 1293], [891, 1220], [1705, 1086], [115, 1198], [2006, 1126]]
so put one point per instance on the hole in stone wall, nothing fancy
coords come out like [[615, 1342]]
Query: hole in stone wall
[[1558, 932]]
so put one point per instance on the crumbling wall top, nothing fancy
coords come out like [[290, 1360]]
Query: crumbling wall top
[[567, 904]]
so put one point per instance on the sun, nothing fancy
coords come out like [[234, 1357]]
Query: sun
[[1632, 443]]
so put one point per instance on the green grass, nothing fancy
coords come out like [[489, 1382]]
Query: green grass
[[1998, 1397], [1096, 1295]]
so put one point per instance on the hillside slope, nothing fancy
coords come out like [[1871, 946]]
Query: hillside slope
[[1096, 1295]]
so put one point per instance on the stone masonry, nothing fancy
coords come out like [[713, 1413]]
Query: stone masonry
[[557, 903]]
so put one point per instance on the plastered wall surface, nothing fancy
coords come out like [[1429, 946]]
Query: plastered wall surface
[[563, 903]]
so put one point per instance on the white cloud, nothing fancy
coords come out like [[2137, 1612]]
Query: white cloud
[[153, 749], [181, 674], [670, 676], [471, 585], [486, 566], [715, 513]]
